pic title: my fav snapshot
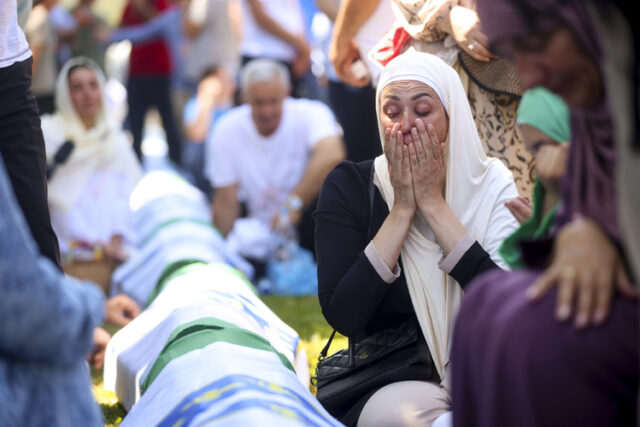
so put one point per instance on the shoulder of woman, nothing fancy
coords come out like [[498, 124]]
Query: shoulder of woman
[[348, 173]]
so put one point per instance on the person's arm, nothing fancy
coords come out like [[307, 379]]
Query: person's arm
[[349, 287], [194, 17], [225, 208], [329, 8], [326, 154], [301, 62], [271, 26], [141, 33], [36, 53], [196, 130], [44, 317], [211, 93], [343, 50]]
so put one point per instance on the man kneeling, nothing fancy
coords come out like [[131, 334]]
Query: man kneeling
[[272, 154]]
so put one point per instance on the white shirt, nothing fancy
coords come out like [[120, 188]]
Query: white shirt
[[13, 44], [266, 169], [260, 43], [215, 44]]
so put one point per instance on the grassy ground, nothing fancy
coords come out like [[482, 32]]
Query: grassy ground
[[301, 313]]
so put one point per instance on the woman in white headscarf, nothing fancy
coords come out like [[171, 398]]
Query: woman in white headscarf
[[435, 220], [89, 188]]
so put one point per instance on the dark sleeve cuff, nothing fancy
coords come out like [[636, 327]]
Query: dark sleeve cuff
[[474, 262]]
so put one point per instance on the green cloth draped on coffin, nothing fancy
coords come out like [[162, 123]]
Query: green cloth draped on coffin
[[199, 334], [548, 113]]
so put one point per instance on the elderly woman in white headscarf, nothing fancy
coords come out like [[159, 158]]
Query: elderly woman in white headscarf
[[399, 237], [91, 165]]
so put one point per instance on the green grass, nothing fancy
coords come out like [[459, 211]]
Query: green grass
[[301, 313]]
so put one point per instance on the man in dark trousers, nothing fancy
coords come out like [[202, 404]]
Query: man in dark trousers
[[21, 141]]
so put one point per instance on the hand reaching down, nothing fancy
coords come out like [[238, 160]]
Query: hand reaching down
[[100, 340], [587, 268]]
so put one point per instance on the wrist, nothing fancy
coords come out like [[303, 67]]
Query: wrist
[[432, 208], [403, 213], [294, 203]]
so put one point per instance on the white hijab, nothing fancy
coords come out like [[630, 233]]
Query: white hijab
[[103, 147], [473, 184]]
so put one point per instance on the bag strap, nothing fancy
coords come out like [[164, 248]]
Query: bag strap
[[323, 352], [352, 344]]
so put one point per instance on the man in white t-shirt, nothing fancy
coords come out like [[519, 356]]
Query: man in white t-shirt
[[274, 150]]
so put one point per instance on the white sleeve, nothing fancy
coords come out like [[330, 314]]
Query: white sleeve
[[501, 225], [219, 160], [321, 121]]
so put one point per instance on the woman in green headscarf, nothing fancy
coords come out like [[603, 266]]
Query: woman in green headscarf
[[543, 121]]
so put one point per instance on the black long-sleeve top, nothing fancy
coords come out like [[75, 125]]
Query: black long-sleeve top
[[355, 300]]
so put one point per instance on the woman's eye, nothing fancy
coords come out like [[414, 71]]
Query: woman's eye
[[392, 113], [422, 113]]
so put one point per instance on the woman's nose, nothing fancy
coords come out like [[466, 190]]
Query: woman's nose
[[406, 122]]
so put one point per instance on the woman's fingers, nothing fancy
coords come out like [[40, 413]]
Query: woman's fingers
[[565, 298], [585, 300], [603, 296], [543, 283], [421, 155], [435, 146], [387, 144]]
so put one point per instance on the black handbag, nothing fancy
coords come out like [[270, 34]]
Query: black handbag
[[386, 356], [345, 379]]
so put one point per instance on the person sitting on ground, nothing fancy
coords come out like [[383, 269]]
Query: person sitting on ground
[[213, 99], [275, 151], [556, 344], [543, 121], [399, 237], [89, 190]]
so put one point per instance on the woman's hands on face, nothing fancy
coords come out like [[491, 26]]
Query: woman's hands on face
[[467, 32], [427, 166], [399, 170], [587, 268]]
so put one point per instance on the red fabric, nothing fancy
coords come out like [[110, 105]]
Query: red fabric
[[150, 58], [391, 45]]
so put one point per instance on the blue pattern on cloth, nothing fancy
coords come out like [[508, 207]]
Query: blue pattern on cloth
[[46, 329], [202, 400]]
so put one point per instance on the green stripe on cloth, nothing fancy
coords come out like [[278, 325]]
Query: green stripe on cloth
[[186, 266], [173, 270], [177, 220], [199, 334]]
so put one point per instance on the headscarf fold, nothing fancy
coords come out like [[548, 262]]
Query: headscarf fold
[[473, 185], [588, 188], [548, 113], [103, 147]]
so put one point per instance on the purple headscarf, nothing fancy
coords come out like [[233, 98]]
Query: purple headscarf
[[589, 185]]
